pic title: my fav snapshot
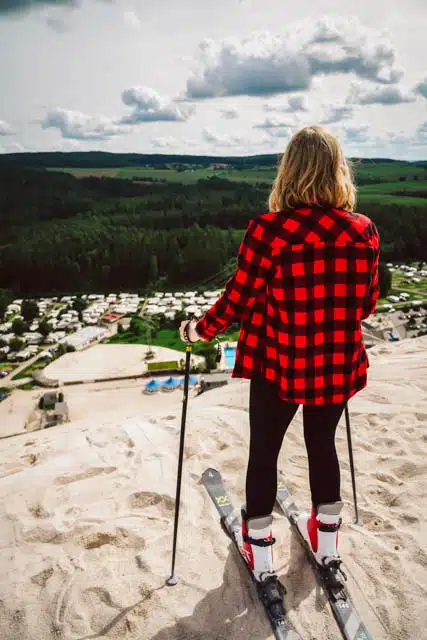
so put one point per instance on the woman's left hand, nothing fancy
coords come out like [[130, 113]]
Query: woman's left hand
[[191, 331]]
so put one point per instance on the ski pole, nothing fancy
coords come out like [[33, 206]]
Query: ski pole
[[350, 453], [173, 580]]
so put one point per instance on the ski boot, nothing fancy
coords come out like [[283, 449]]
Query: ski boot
[[320, 531], [256, 545], [256, 548]]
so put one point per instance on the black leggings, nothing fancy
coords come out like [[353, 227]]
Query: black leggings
[[270, 416]]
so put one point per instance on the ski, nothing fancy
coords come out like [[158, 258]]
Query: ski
[[271, 591], [348, 620]]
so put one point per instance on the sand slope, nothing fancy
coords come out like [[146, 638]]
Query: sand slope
[[87, 517]]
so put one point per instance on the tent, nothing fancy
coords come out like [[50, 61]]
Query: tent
[[170, 384], [152, 386], [191, 381]]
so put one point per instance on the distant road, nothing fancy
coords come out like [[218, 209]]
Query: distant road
[[7, 380]]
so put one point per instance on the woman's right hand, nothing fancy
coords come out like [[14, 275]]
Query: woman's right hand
[[192, 334]]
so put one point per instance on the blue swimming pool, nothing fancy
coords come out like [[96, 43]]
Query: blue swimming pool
[[230, 357]]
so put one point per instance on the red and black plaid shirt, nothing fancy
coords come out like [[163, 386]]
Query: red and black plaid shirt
[[305, 280]]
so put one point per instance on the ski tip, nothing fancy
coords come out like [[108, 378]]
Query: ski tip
[[211, 477], [210, 473]]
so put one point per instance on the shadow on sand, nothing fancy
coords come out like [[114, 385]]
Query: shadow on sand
[[233, 611], [300, 580]]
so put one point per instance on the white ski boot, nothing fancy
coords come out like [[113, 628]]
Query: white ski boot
[[321, 532], [256, 545]]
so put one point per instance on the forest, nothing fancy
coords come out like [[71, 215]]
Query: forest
[[60, 233]]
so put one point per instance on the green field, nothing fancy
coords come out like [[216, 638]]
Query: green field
[[190, 176], [29, 386], [378, 172], [397, 192], [395, 186], [387, 171], [166, 338], [387, 199], [35, 366], [379, 182]]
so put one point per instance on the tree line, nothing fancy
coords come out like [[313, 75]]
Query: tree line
[[60, 234]]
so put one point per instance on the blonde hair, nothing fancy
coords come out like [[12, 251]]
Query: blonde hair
[[313, 171]]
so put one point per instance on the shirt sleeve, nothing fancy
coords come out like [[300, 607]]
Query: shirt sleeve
[[243, 287], [370, 302]]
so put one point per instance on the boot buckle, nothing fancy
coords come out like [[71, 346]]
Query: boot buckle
[[258, 542]]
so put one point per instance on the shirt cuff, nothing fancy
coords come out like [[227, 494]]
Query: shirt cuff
[[199, 329]]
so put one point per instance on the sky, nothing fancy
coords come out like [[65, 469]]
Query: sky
[[213, 77]]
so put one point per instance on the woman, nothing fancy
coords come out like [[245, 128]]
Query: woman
[[307, 275]]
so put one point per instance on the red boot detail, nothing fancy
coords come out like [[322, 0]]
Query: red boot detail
[[312, 525]]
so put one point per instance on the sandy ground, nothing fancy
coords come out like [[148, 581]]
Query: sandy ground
[[109, 360], [15, 410], [87, 516]]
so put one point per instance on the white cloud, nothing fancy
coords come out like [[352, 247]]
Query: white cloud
[[79, 126], [221, 140], [334, 114], [17, 146], [387, 143], [268, 64], [421, 134], [11, 6], [421, 88], [131, 19], [295, 104], [5, 129], [337, 114], [229, 114], [21, 6], [12, 147], [150, 106], [57, 24], [378, 95], [356, 134], [274, 123], [165, 141], [111, 53], [70, 145], [170, 142], [397, 139], [277, 128]]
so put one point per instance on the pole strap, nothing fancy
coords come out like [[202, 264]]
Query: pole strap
[[186, 333]]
